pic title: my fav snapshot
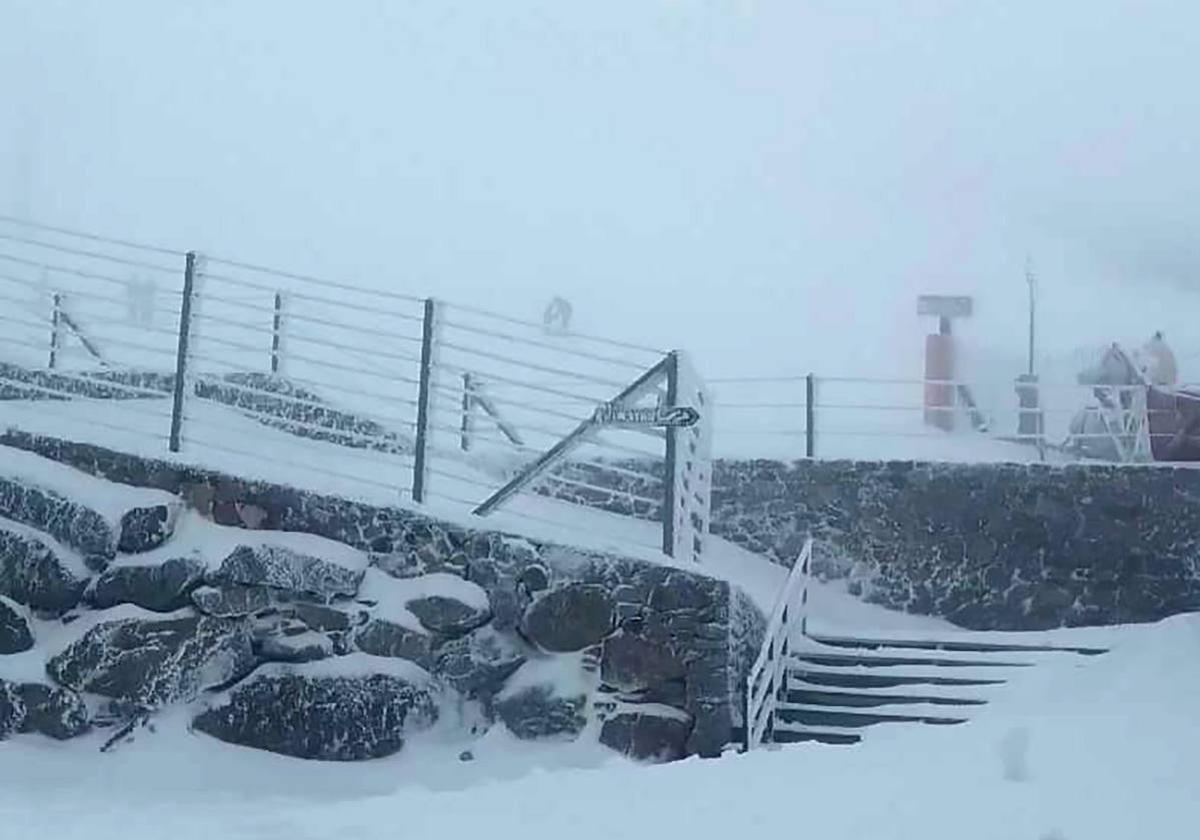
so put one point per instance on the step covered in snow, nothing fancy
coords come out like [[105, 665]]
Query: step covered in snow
[[96, 518]]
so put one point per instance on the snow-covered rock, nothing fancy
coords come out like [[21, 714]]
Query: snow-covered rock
[[632, 662], [38, 572], [151, 663], [648, 733], [350, 708], [388, 639], [477, 665], [160, 587], [97, 518], [545, 698], [42, 709], [323, 618], [569, 618], [15, 633], [305, 646], [335, 571], [232, 600]]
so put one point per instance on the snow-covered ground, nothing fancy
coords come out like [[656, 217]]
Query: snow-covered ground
[[1101, 748]]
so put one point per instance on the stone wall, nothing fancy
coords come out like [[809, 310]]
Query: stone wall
[[662, 650], [988, 546]]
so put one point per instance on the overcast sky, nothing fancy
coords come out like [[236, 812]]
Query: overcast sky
[[768, 183]]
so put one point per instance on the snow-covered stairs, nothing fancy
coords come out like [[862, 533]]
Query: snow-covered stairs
[[838, 686]]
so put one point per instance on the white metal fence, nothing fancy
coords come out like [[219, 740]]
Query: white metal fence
[[151, 349]]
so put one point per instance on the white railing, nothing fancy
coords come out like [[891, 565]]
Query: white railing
[[382, 393], [766, 683]]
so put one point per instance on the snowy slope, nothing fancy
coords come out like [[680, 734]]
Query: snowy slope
[[1102, 749]]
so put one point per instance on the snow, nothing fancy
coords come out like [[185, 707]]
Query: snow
[[71, 559], [196, 536], [563, 672], [109, 499], [351, 666], [1109, 745], [393, 594]]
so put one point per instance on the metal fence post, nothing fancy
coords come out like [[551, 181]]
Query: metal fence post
[[424, 395], [810, 416], [468, 401], [185, 328], [55, 334], [276, 332], [671, 465]]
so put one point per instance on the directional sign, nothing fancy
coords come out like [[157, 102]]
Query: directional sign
[[612, 414], [944, 306]]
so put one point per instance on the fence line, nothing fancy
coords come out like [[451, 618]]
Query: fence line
[[213, 354]]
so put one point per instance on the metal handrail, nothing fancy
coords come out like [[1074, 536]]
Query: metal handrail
[[766, 682]]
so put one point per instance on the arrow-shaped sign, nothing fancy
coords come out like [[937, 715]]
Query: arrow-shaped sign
[[613, 414]]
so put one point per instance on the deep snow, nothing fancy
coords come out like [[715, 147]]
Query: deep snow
[[1106, 749]]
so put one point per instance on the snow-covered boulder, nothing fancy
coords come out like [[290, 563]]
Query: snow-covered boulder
[[232, 600], [546, 698], [324, 618], [159, 587], [631, 662], [478, 665], [648, 733], [305, 646], [151, 663], [38, 572], [382, 638], [351, 708], [96, 518], [15, 633], [314, 566], [42, 709], [570, 618]]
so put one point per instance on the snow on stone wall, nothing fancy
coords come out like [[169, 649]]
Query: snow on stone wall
[[988, 546], [656, 652]]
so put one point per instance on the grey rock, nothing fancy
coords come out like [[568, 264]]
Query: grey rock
[[71, 524], [320, 617], [15, 633], [304, 647], [632, 662], [647, 736], [447, 616], [282, 568], [41, 709], [232, 600], [146, 528], [478, 665], [162, 587], [55, 712], [35, 574], [383, 638], [320, 717], [569, 618], [538, 712], [153, 663]]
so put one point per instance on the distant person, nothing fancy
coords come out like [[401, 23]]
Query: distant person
[[1159, 362], [557, 317]]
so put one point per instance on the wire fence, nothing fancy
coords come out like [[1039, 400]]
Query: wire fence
[[319, 382], [871, 418]]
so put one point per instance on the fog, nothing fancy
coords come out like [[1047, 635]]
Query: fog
[[769, 184]]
